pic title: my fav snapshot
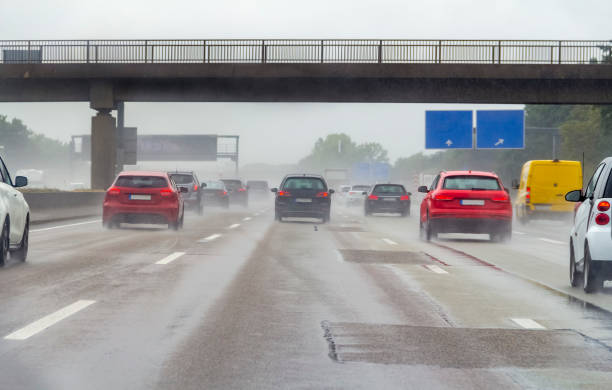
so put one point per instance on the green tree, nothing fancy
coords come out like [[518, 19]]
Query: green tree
[[339, 151]]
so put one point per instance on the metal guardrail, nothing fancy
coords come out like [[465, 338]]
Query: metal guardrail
[[306, 51]]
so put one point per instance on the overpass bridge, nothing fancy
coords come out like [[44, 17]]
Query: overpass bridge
[[107, 72]]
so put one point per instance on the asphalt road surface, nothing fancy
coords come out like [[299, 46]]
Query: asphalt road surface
[[236, 300]]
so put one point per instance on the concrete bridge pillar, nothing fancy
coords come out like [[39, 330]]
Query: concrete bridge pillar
[[103, 135]]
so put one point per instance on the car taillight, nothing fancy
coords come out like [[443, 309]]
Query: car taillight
[[241, 189], [322, 194], [604, 205], [405, 197], [223, 193], [373, 197], [113, 191], [165, 192], [501, 199], [443, 197], [284, 193], [195, 187], [602, 219]]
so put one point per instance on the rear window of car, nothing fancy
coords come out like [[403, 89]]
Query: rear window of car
[[361, 188], [471, 182], [232, 184], [258, 185], [141, 182], [304, 183], [215, 185], [389, 189], [608, 189], [182, 179]]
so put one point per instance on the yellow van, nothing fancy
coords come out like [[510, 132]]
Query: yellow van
[[543, 186]]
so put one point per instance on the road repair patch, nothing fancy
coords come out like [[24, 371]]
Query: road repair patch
[[384, 257]]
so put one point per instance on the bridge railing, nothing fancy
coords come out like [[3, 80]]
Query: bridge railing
[[306, 51]]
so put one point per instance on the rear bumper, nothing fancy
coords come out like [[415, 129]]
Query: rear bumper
[[387, 207], [471, 225], [600, 244], [314, 211], [139, 214]]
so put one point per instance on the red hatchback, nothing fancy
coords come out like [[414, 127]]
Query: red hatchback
[[143, 197], [466, 202]]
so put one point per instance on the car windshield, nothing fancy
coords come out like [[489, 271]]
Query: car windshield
[[471, 182], [389, 189], [182, 178], [141, 182], [232, 184], [304, 183], [214, 185]]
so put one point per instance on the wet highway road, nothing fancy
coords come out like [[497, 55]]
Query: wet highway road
[[236, 300]]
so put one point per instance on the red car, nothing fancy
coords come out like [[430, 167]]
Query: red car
[[143, 197], [466, 202]]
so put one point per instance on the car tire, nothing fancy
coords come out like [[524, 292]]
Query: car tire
[[21, 253], [200, 207], [429, 233], [4, 242], [326, 217], [591, 282], [574, 275]]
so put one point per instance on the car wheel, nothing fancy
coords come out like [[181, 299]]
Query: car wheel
[[200, 207], [4, 243], [428, 229], [21, 253], [589, 277], [326, 217], [574, 275]]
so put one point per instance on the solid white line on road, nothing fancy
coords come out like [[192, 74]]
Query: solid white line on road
[[234, 226], [170, 258], [246, 219], [64, 226], [390, 242], [552, 241], [210, 238], [47, 321], [527, 323], [517, 232], [436, 269]]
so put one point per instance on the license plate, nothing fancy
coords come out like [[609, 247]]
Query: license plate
[[544, 207], [389, 199], [303, 200], [140, 197], [472, 202]]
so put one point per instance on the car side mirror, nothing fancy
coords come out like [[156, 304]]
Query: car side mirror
[[515, 184], [423, 189], [21, 181], [274, 190], [409, 193], [574, 196], [331, 191], [203, 185], [507, 190], [183, 190]]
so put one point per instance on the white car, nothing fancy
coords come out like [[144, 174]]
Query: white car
[[14, 217], [591, 235], [355, 196]]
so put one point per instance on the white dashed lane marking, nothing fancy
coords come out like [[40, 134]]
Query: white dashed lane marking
[[552, 241], [519, 233], [246, 219], [390, 242], [436, 269], [210, 238], [234, 226], [170, 258], [47, 321], [64, 226], [527, 323]]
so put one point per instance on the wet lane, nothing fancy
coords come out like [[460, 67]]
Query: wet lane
[[237, 300]]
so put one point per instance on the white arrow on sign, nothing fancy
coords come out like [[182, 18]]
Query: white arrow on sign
[[448, 142], [499, 142]]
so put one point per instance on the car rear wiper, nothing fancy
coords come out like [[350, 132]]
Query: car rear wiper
[[479, 189]]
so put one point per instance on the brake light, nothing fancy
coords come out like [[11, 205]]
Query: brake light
[[223, 193], [195, 187], [604, 205], [501, 199], [322, 194], [443, 197], [113, 191], [165, 192], [528, 189], [602, 219], [241, 189], [373, 197], [405, 197], [284, 193]]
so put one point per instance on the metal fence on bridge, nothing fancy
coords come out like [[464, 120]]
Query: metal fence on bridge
[[306, 51]]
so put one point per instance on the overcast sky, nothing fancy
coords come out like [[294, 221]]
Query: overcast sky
[[292, 127]]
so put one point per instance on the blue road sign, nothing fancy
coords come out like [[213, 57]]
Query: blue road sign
[[448, 130], [500, 129], [380, 172]]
